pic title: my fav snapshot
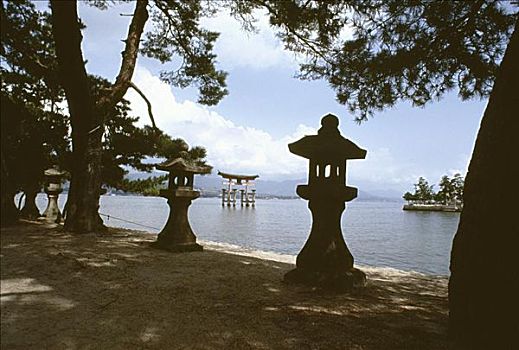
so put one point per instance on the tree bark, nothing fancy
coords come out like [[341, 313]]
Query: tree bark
[[83, 197], [484, 281]]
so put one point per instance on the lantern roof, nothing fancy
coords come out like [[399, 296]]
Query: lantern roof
[[327, 144], [181, 165]]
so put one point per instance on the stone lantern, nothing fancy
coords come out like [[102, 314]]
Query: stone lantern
[[177, 235], [325, 260], [53, 179]]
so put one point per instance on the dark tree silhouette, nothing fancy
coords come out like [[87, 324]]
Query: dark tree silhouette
[[484, 281], [34, 130], [176, 33]]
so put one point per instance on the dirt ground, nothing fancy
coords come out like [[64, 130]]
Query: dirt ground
[[112, 291]]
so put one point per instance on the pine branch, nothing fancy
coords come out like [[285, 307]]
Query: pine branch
[[148, 103]]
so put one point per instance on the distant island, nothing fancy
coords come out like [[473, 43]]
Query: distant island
[[449, 198]]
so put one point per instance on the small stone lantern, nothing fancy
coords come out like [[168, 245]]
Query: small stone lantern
[[177, 235], [325, 260], [53, 179]]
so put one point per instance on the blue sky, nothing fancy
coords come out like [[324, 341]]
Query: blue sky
[[268, 108]]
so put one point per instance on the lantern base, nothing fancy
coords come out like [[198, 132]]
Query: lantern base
[[178, 248], [342, 281]]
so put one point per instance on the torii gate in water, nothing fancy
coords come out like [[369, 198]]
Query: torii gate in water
[[247, 198]]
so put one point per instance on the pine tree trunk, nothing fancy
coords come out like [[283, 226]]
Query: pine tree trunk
[[484, 282], [82, 207], [83, 199]]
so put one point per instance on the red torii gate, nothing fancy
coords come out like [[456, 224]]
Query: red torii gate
[[229, 193]]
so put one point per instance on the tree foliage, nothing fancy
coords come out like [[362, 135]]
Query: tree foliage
[[147, 187], [176, 31], [29, 66], [446, 190], [177, 36], [35, 127], [457, 185], [376, 53], [449, 190], [423, 191]]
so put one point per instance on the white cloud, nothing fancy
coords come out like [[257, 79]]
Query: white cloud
[[238, 48], [380, 166], [242, 149], [230, 147]]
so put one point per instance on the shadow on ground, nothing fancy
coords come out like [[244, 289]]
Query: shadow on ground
[[111, 291]]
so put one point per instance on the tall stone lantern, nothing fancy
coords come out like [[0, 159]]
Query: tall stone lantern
[[177, 235], [325, 260], [53, 180]]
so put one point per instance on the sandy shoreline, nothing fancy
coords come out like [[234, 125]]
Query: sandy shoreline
[[111, 291]]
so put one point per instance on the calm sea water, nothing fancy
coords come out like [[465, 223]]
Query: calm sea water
[[377, 233]]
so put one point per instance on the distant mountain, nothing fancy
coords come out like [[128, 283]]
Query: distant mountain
[[212, 185]]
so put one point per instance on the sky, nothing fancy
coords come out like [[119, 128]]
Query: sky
[[267, 108]]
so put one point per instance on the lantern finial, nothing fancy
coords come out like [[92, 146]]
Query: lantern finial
[[329, 125]]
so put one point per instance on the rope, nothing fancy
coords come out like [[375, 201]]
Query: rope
[[128, 221]]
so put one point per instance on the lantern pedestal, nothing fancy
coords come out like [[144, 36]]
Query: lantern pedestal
[[325, 260], [177, 235]]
